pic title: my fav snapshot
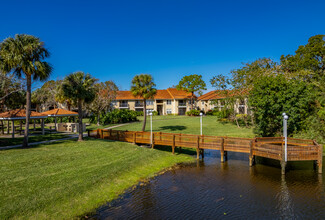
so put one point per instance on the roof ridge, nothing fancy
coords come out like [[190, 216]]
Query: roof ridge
[[170, 93]]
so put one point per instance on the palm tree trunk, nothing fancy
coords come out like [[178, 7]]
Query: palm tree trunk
[[80, 120], [144, 115], [28, 106]]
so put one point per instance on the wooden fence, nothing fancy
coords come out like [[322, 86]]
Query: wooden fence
[[269, 147]]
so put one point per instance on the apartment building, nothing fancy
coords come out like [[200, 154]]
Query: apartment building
[[166, 101], [216, 100]]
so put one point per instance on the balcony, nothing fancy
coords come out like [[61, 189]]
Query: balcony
[[139, 105], [124, 105], [182, 104]]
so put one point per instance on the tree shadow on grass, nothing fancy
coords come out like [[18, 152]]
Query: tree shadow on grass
[[172, 128]]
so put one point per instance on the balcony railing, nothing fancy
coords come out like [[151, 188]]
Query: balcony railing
[[124, 105], [182, 104], [139, 105]]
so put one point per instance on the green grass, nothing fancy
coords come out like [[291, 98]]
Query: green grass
[[69, 179], [190, 125], [5, 141]]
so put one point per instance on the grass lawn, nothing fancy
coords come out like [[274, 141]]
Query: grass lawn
[[5, 141], [190, 125], [69, 179]]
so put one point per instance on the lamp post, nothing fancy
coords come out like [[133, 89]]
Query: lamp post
[[285, 135], [150, 128], [201, 114]]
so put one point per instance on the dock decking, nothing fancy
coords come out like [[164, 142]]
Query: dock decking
[[268, 147]]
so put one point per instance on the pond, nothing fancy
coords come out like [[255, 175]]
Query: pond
[[209, 189]]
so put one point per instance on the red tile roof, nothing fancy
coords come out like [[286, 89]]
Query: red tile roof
[[170, 93], [20, 113], [219, 94], [59, 112]]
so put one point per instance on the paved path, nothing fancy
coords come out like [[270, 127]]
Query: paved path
[[42, 142], [116, 126]]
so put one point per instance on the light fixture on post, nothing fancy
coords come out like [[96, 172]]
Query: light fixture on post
[[150, 113], [285, 135]]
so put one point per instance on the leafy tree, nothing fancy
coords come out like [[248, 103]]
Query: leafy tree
[[192, 83], [12, 92], [79, 87], [308, 64], [246, 76], [144, 87], [45, 95], [273, 95], [105, 93], [24, 55], [231, 96]]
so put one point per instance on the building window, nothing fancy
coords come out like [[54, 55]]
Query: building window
[[169, 111], [169, 102], [202, 102], [113, 103], [149, 102]]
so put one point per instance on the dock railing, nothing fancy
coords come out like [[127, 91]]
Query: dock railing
[[268, 147]]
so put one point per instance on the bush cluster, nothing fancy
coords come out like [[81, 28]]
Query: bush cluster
[[223, 114], [58, 119], [193, 112], [116, 116]]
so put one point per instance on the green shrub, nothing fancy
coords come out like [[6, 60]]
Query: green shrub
[[193, 112], [154, 113], [115, 117]]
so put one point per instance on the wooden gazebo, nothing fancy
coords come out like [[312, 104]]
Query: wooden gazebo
[[19, 114], [58, 112]]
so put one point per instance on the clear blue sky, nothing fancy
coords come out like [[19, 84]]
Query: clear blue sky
[[115, 40]]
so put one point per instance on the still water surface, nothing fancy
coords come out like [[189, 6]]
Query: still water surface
[[233, 190]]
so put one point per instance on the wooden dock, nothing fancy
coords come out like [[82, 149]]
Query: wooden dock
[[268, 147]]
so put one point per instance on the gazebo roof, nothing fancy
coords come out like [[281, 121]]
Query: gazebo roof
[[58, 112], [18, 114]]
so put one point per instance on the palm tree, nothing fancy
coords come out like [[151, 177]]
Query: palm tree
[[24, 55], [143, 86], [79, 87]]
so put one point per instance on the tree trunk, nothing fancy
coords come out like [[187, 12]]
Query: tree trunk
[[28, 106], [192, 104], [144, 115], [80, 120]]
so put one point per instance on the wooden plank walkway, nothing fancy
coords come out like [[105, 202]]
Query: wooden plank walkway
[[268, 147]]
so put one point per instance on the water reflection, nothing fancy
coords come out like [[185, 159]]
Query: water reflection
[[209, 189]]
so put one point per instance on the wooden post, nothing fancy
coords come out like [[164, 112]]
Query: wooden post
[[173, 146], [55, 122], [34, 125], [180, 142], [97, 136], [160, 136], [153, 140], [42, 125], [101, 134], [283, 162], [251, 155], [117, 135], [134, 137], [13, 129], [198, 148], [2, 127], [202, 150], [110, 134], [222, 150], [320, 159], [8, 128]]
